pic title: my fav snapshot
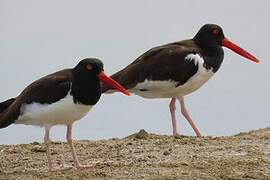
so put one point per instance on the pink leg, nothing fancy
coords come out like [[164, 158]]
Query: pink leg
[[70, 142], [188, 118], [172, 110], [48, 152]]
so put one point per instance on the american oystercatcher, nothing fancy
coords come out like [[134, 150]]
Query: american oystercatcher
[[60, 98], [177, 69]]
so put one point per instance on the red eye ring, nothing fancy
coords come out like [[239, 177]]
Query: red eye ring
[[89, 66], [215, 31]]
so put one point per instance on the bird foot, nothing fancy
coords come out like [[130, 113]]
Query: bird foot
[[200, 135], [84, 166], [175, 134], [53, 169]]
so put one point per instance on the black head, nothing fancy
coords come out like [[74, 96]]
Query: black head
[[86, 77], [210, 38], [85, 81], [88, 67], [210, 35]]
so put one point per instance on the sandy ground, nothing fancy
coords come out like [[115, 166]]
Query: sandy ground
[[146, 156]]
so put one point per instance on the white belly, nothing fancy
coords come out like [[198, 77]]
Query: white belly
[[167, 89], [63, 112]]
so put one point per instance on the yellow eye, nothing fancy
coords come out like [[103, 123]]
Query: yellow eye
[[215, 31], [89, 66]]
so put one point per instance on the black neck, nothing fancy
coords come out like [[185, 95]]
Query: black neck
[[212, 55], [86, 91]]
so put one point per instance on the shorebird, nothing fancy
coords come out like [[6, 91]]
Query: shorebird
[[176, 69], [60, 98]]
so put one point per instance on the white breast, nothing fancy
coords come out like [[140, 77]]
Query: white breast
[[198, 79], [62, 112], [166, 89]]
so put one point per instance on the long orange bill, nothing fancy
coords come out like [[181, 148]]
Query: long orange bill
[[238, 50], [106, 79]]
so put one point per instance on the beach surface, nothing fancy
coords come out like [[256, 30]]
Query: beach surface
[[146, 156]]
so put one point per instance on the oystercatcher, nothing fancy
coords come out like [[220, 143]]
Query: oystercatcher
[[177, 69], [60, 98]]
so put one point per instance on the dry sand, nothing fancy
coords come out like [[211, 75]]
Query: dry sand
[[146, 156]]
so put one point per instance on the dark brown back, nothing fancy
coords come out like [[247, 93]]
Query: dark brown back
[[47, 89], [159, 63]]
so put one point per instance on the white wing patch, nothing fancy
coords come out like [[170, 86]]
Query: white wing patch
[[153, 89], [196, 58], [152, 85], [198, 79]]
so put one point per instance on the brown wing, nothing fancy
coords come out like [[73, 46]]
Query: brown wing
[[47, 89], [159, 63]]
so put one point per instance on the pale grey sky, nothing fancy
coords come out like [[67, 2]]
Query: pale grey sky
[[40, 37]]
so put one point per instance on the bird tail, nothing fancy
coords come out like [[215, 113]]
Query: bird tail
[[3, 106]]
